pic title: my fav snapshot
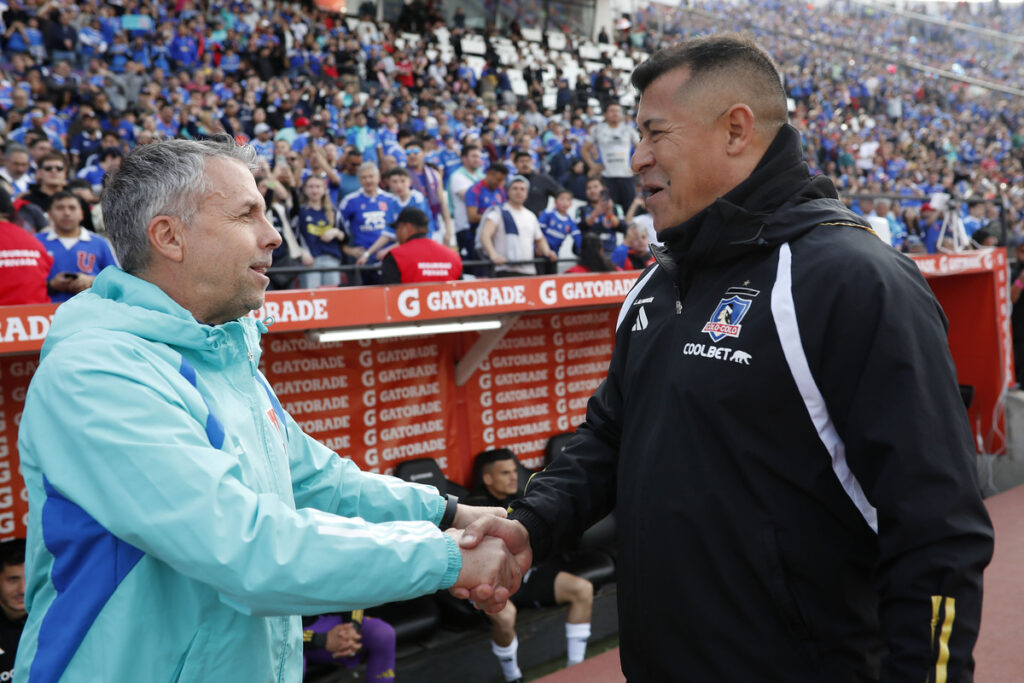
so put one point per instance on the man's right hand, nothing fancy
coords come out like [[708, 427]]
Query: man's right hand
[[490, 574], [516, 540]]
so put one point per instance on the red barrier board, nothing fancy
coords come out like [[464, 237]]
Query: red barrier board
[[15, 374], [975, 297]]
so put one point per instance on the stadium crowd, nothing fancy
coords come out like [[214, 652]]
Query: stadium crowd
[[357, 119]]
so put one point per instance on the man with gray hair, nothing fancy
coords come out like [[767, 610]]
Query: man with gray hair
[[165, 479], [16, 168]]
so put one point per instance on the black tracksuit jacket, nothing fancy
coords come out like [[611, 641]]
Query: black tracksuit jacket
[[783, 441]]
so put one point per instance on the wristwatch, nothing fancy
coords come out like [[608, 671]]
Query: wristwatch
[[449, 512]]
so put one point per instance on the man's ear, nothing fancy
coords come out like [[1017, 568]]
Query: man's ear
[[166, 235], [739, 122]]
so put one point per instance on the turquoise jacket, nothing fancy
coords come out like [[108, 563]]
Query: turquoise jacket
[[179, 520]]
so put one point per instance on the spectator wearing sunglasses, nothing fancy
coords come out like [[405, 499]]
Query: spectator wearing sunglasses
[[51, 178]]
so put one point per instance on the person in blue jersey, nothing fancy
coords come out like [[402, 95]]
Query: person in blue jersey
[[165, 478], [87, 141], [78, 254], [400, 185], [262, 143], [362, 136], [349, 175], [558, 226], [601, 214], [448, 158], [428, 181], [108, 161], [365, 214], [634, 253], [317, 224], [485, 193]]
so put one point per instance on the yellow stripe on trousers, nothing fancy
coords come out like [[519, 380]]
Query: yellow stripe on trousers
[[949, 608]]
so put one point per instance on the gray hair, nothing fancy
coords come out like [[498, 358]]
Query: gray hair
[[166, 178], [14, 148]]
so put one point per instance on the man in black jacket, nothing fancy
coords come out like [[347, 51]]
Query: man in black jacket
[[780, 430]]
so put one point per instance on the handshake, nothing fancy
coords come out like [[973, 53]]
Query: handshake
[[495, 556]]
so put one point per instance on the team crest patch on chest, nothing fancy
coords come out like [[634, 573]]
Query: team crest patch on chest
[[727, 317]]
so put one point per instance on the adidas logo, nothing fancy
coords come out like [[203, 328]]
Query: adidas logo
[[641, 321]]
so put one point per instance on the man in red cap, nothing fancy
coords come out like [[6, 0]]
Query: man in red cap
[[417, 258]]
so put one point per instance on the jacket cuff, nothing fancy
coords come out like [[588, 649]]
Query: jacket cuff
[[439, 506], [451, 574], [540, 532]]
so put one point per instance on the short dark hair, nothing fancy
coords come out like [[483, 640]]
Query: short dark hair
[[33, 138], [498, 167], [486, 459], [397, 170], [63, 194], [12, 552], [466, 149], [520, 154], [728, 54], [54, 156]]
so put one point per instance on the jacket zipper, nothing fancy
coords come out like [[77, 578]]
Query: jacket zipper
[[276, 483]]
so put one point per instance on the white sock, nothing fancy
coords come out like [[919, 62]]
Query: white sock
[[576, 641], [508, 657]]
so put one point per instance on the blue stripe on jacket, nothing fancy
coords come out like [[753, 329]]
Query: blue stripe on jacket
[[89, 564], [214, 429]]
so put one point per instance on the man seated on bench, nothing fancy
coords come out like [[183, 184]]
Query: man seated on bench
[[497, 484], [349, 639]]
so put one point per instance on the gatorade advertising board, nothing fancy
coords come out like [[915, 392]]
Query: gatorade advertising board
[[15, 374], [378, 402], [537, 381]]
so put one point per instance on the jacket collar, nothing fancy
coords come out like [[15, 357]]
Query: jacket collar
[[50, 234]]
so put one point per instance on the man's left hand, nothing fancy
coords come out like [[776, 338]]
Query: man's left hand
[[467, 514]]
